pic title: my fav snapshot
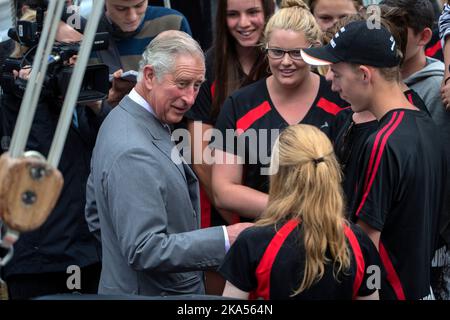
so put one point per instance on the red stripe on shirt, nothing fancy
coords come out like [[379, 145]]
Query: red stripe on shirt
[[410, 99], [431, 51], [329, 106], [212, 89], [205, 209], [391, 274], [377, 164], [360, 264], [375, 148], [264, 268], [253, 115]]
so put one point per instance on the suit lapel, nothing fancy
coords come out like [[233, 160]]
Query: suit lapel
[[171, 152], [161, 138], [159, 135], [192, 183]]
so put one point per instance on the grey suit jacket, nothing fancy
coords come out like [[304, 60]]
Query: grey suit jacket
[[148, 209]]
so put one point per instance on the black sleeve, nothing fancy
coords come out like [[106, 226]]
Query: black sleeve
[[373, 270], [224, 137], [343, 119], [240, 263], [376, 184], [90, 122], [201, 110]]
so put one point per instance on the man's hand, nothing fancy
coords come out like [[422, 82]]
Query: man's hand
[[23, 73], [120, 88], [235, 229]]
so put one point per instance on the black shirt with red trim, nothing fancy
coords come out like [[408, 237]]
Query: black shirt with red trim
[[242, 260], [350, 141], [401, 180], [253, 123]]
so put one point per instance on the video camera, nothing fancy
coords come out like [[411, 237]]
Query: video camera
[[95, 85]]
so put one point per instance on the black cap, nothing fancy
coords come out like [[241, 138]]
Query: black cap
[[356, 43]]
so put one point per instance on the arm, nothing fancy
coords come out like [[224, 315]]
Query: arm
[[373, 296], [198, 131], [446, 51], [445, 88], [368, 239], [200, 134], [232, 292], [151, 216], [373, 234], [229, 193], [119, 88]]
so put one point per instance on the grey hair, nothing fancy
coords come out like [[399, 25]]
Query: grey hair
[[162, 51]]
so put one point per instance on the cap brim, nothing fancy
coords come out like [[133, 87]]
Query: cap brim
[[319, 56]]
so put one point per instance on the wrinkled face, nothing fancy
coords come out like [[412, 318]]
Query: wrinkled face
[[327, 12], [245, 20], [175, 94], [286, 70], [346, 81], [126, 14]]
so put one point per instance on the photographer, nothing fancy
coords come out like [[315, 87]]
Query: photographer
[[41, 261]]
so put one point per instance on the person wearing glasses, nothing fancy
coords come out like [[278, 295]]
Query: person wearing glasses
[[258, 112]]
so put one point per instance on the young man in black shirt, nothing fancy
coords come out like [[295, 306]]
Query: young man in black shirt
[[402, 176]]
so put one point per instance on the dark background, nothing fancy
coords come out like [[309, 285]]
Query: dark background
[[200, 15]]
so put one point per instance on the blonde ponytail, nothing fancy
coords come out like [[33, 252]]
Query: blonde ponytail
[[307, 186]]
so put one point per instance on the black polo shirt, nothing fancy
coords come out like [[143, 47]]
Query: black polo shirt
[[242, 260], [401, 182], [251, 115], [350, 142]]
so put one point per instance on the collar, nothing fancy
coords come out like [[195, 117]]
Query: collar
[[137, 98]]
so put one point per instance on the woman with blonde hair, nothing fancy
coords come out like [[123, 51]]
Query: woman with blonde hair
[[292, 94], [302, 247]]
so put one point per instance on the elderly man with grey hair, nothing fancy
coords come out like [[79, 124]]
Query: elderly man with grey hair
[[147, 196]]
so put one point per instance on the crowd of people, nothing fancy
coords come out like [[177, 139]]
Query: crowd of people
[[317, 157]]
